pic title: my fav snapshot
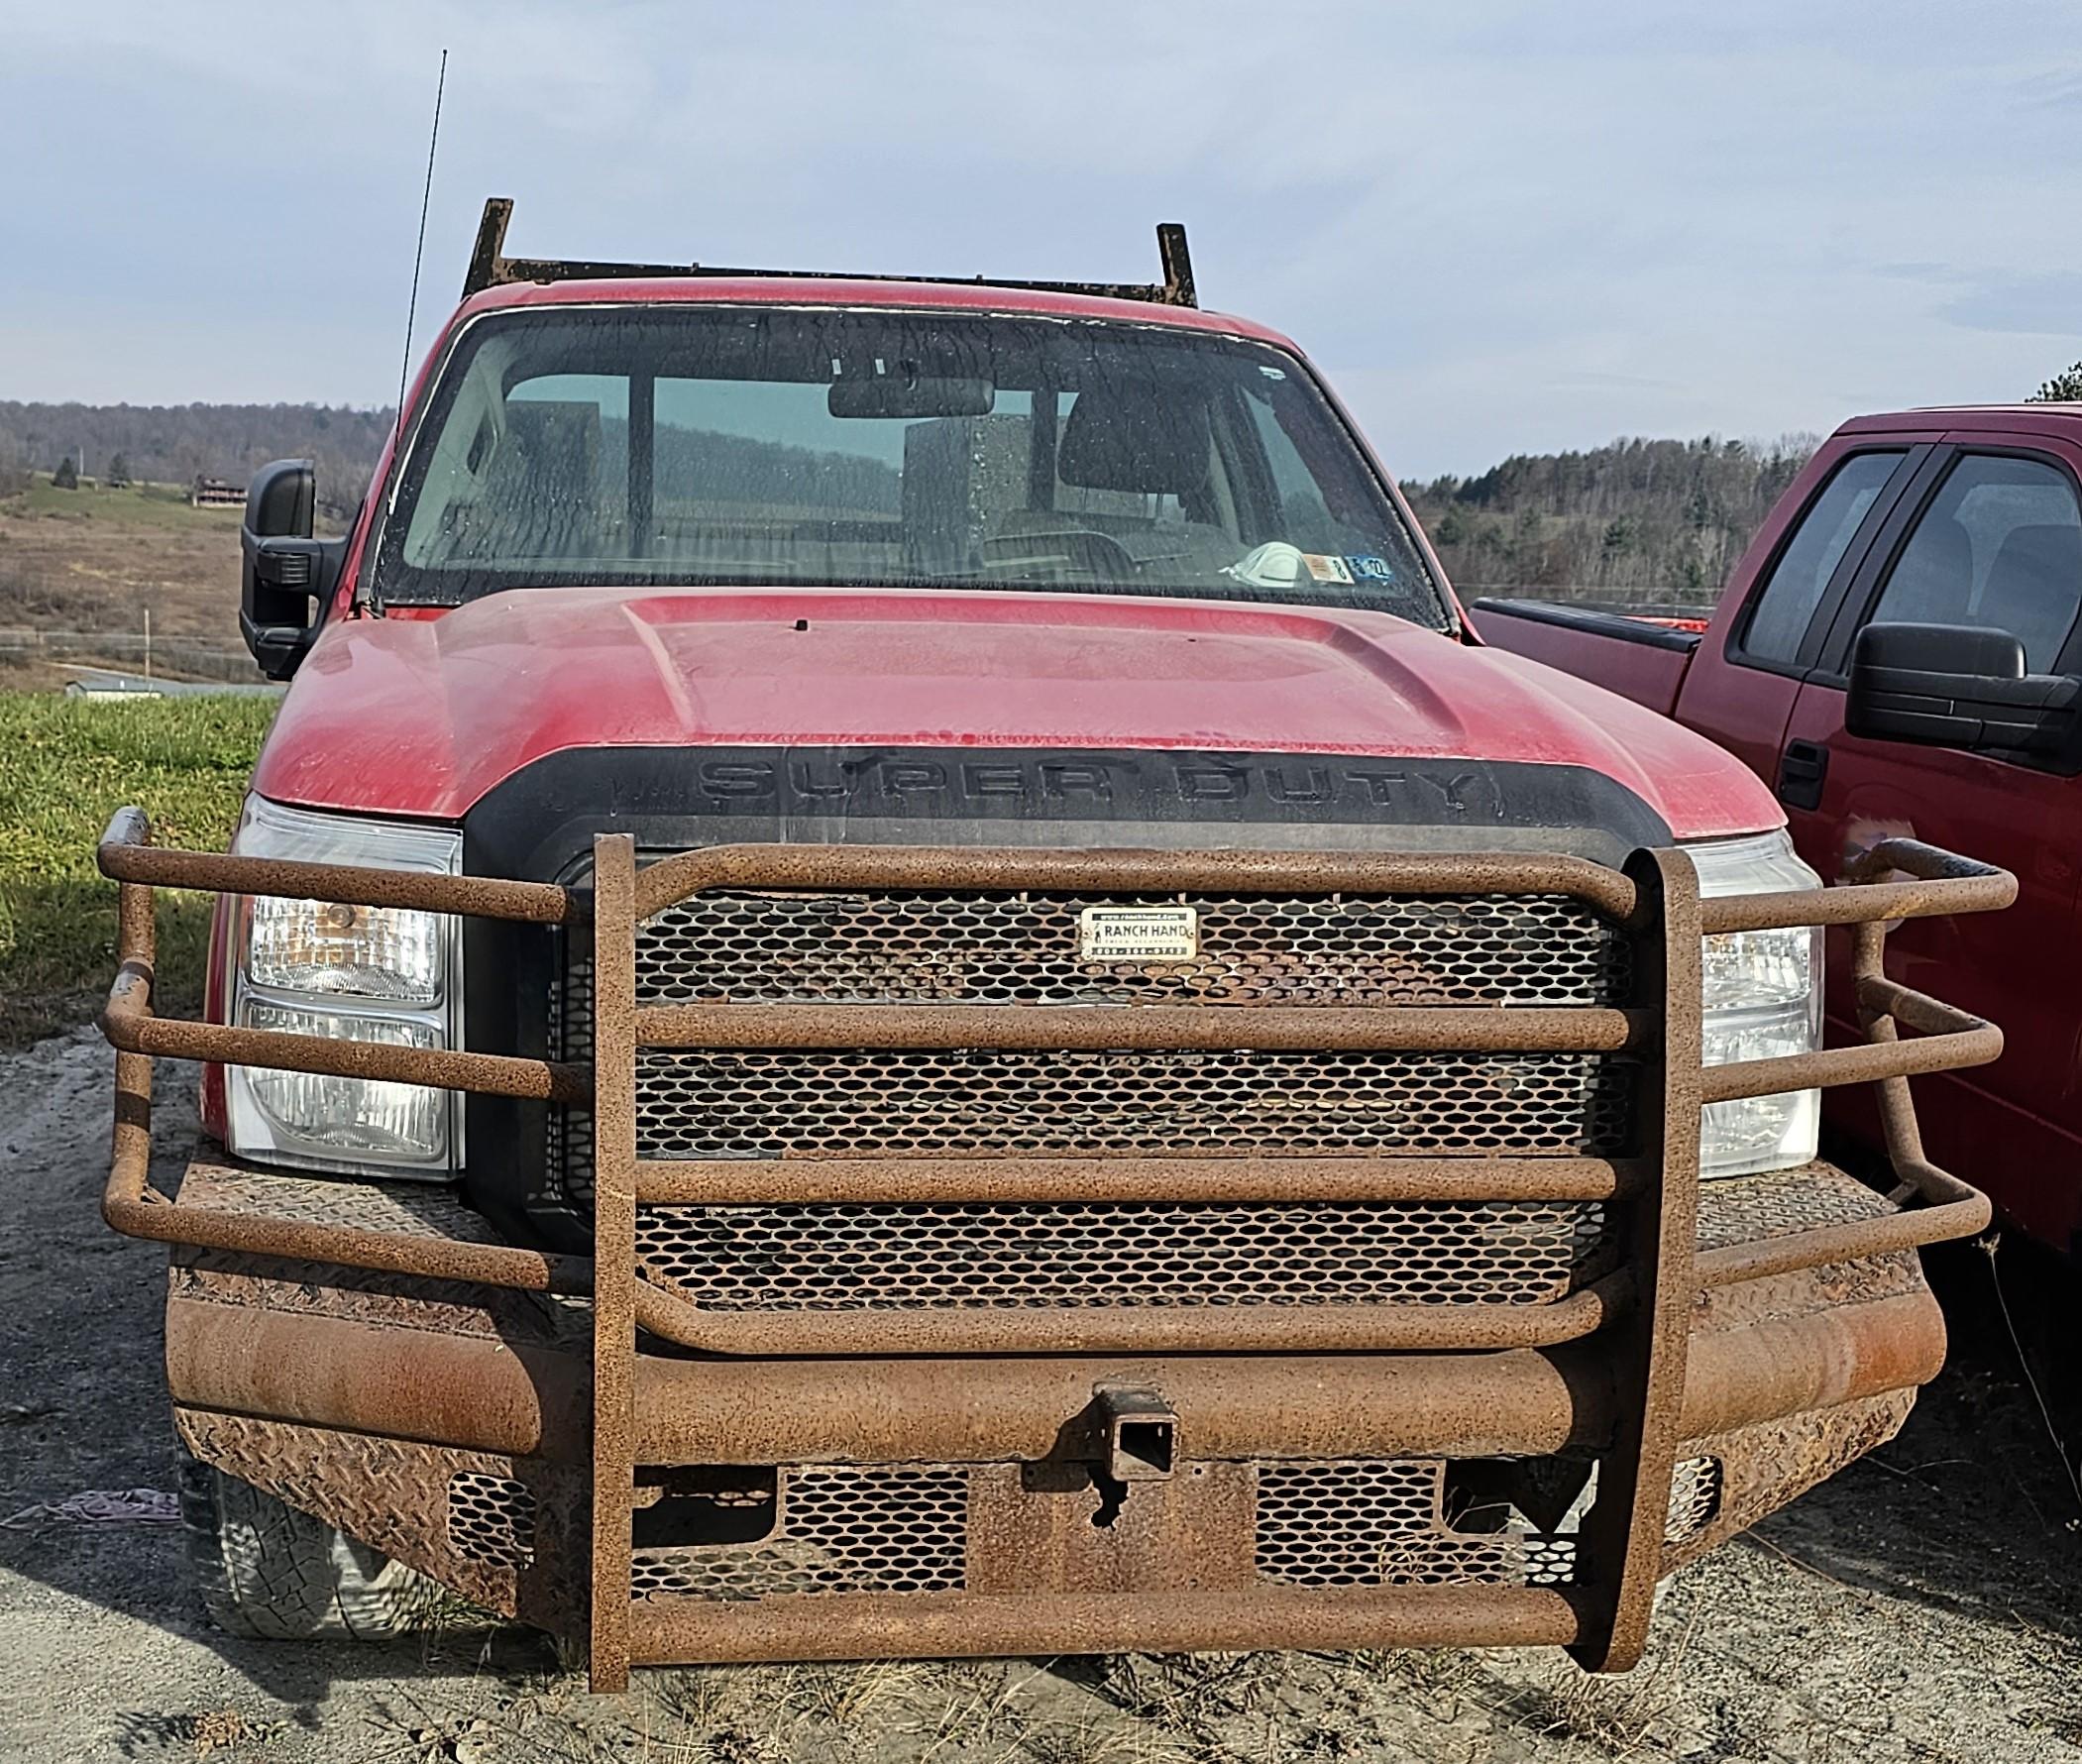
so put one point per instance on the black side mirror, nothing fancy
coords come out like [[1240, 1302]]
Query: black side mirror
[[1957, 686], [283, 568]]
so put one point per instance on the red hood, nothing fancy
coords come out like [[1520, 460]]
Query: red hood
[[421, 717]]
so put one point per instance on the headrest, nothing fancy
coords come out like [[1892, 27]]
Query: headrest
[[2031, 587], [1934, 583], [2038, 559], [1134, 435]]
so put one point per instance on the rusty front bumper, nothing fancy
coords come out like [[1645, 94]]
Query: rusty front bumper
[[581, 1444]]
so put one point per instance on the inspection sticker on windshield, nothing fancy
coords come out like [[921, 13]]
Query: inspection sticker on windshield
[[1138, 934], [1324, 568]]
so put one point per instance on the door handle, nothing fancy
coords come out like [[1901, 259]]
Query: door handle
[[1802, 768]]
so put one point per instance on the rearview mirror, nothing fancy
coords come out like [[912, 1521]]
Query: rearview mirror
[[1957, 686], [908, 392], [282, 569]]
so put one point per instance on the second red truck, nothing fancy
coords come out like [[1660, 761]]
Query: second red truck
[[1896, 655]]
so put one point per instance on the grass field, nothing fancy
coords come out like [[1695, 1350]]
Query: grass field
[[66, 766], [162, 507], [98, 560]]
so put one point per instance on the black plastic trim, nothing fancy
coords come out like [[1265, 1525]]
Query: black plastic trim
[[673, 798]]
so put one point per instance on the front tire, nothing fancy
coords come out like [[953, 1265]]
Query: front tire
[[267, 1571]]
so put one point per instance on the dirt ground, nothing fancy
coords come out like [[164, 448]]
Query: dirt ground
[[1926, 1605]]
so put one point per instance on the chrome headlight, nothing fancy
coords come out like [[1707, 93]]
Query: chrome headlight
[[1762, 999], [347, 973]]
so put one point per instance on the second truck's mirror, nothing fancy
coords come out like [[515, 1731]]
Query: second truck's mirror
[[1956, 686]]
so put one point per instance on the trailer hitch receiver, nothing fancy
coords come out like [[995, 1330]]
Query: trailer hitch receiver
[[1141, 1433]]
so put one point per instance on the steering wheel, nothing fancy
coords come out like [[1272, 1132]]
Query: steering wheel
[[1069, 553]]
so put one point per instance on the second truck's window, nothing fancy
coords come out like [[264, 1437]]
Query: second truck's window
[[1785, 605], [2000, 547]]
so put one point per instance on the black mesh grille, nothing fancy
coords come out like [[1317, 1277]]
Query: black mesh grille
[[1024, 948], [858, 1258], [1012, 1103]]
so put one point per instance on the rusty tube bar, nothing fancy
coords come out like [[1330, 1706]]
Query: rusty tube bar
[[1862, 1063], [1403, 1028], [809, 1180], [479, 1393], [128, 1023], [126, 854], [617, 1292], [1519, 1403], [1125, 871], [131, 1205], [1878, 996], [1622, 1534], [1945, 883], [1952, 1208], [474, 1392], [931, 1625], [1852, 1241], [1133, 1329]]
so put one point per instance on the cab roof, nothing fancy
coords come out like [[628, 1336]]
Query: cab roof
[[822, 290], [2028, 418]]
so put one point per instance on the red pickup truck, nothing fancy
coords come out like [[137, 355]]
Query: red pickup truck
[[896, 983], [1897, 653]]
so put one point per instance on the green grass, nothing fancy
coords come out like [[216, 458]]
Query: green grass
[[136, 506], [67, 764]]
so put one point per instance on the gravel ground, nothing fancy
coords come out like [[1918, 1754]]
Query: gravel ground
[[1926, 1605]]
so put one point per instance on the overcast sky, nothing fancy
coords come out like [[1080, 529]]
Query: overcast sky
[[1497, 226]]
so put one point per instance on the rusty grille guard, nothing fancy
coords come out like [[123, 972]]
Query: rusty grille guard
[[1642, 1308]]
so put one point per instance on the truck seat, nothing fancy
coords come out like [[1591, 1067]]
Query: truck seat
[[2031, 589]]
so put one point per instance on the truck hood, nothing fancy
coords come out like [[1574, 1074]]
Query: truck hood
[[419, 717]]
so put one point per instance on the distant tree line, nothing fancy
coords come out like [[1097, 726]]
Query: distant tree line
[[1640, 520], [178, 443]]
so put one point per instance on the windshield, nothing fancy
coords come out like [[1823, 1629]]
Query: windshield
[[846, 446]]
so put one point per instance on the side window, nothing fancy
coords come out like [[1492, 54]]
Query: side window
[[2000, 546], [1782, 608]]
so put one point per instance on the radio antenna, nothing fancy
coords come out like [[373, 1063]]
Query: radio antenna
[[426, 197], [365, 600]]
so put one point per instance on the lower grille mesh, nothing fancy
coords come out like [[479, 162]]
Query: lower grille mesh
[[1371, 1523], [841, 1530], [1694, 1498], [904, 1528], [491, 1518], [1070, 1254]]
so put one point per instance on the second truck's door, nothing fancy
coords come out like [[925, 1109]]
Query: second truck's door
[[1993, 538]]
